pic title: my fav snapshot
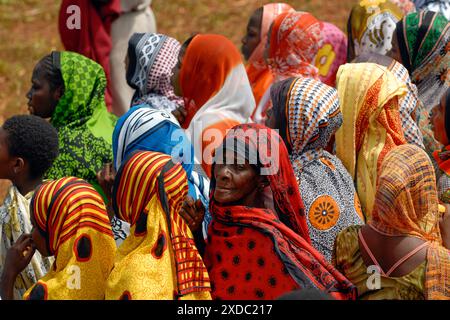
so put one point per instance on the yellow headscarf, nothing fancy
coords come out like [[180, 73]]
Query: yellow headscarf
[[158, 260], [72, 217], [368, 94]]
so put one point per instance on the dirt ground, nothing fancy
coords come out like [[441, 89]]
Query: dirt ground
[[28, 31]]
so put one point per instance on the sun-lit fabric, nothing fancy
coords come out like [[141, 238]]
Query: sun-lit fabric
[[158, 260], [72, 217], [369, 96], [406, 203], [370, 27], [257, 69], [216, 91]]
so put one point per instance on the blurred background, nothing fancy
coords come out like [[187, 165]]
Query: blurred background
[[29, 30]]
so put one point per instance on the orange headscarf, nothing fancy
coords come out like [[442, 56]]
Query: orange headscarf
[[295, 40], [257, 70]]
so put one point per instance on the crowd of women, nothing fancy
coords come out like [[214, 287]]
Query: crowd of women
[[316, 166]]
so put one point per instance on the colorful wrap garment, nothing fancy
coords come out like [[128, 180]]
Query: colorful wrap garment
[[423, 41], [258, 71], [72, 217], [369, 95], [410, 104], [151, 59], [407, 204], [407, 6], [251, 253], [92, 37], [146, 129], [15, 221], [371, 26], [217, 93], [332, 55], [84, 125], [307, 114], [441, 6], [158, 260], [295, 40]]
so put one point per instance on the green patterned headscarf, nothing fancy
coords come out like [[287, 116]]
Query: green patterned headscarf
[[423, 39], [84, 125]]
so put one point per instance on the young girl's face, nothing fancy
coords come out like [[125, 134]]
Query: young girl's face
[[438, 122]]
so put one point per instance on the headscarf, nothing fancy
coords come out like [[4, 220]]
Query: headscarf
[[251, 253], [332, 55], [369, 95], [158, 260], [423, 39], [216, 92], [72, 217], [370, 27], [84, 125], [406, 204], [407, 6], [147, 129], [92, 37], [152, 57], [409, 105], [307, 114], [258, 71], [441, 6], [295, 39]]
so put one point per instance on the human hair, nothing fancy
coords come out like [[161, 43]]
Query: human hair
[[33, 139], [48, 66]]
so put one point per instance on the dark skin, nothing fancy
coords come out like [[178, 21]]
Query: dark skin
[[438, 122], [180, 113], [394, 53], [105, 178], [42, 98], [253, 36]]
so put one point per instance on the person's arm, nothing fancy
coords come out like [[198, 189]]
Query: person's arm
[[17, 258], [193, 213], [444, 225], [105, 178]]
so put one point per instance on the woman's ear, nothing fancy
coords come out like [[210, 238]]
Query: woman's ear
[[263, 182], [18, 165], [58, 93]]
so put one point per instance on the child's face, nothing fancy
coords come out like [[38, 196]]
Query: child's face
[[438, 122]]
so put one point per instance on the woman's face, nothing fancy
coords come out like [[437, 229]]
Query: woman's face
[[394, 53], [438, 122], [235, 183], [42, 100], [39, 241], [267, 47], [253, 37]]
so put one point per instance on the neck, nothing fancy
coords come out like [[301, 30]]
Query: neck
[[26, 185]]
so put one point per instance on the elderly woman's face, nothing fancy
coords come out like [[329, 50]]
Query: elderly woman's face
[[236, 184]]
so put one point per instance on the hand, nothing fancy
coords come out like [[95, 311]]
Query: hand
[[180, 113], [105, 178], [193, 213], [444, 225], [19, 256]]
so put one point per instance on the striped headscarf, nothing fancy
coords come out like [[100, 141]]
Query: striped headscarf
[[152, 57], [406, 203], [369, 95], [370, 27], [158, 260], [423, 40], [72, 217]]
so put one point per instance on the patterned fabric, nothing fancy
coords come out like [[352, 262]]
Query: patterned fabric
[[441, 6], [370, 27], [295, 40], [216, 92], [407, 204], [423, 40], [251, 254], [407, 6], [159, 259], [146, 129], [72, 218], [307, 114], [152, 57], [369, 95], [84, 125], [332, 55], [410, 104], [258, 72], [14, 221]]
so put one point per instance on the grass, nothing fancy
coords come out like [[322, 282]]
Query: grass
[[29, 30]]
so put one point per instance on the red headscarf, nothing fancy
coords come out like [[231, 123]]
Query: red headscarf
[[250, 253], [93, 38]]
